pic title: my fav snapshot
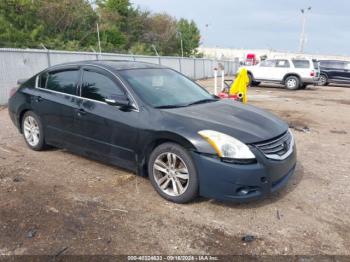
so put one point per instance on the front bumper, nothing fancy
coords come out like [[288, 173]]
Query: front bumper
[[242, 182]]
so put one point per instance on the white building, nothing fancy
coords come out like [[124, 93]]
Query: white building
[[241, 54]]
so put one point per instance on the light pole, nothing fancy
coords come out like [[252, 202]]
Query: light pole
[[155, 49], [178, 33], [206, 34], [302, 35]]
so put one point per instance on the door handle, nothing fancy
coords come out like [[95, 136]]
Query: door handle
[[38, 99], [81, 112]]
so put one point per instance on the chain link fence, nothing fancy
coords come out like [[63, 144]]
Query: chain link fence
[[23, 63]]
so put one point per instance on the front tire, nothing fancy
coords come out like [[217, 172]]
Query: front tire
[[292, 83], [250, 77], [33, 131], [173, 174], [255, 83]]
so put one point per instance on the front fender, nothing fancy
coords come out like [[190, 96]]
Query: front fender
[[193, 142]]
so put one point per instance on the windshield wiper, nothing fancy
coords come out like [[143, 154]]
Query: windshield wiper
[[208, 100]]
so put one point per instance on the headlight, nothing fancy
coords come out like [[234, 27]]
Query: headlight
[[227, 146]]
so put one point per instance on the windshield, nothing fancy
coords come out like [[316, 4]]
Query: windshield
[[165, 87]]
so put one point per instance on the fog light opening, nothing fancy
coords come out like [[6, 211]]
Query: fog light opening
[[243, 191], [263, 180]]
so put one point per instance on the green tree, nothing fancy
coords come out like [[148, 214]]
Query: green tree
[[160, 31], [190, 36], [71, 25], [19, 25]]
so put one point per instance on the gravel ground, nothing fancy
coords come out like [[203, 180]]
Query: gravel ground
[[55, 202]]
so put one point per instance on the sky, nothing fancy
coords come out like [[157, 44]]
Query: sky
[[272, 24]]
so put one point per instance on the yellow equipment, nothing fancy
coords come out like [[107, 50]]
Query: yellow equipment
[[240, 85]]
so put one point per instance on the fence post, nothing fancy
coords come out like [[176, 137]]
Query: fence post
[[48, 58], [204, 74], [180, 65], [159, 61], [194, 69]]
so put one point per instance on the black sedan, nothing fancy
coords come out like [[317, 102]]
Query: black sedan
[[156, 122]]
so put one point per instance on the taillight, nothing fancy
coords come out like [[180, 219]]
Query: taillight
[[13, 91], [312, 73]]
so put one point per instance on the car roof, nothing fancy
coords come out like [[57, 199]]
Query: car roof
[[115, 65], [333, 61]]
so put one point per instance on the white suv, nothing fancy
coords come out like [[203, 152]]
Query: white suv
[[293, 73]]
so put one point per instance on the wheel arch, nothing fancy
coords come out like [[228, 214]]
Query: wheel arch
[[291, 74], [20, 117], [250, 73], [325, 74], [158, 139]]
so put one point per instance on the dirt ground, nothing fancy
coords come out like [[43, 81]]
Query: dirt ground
[[54, 202]]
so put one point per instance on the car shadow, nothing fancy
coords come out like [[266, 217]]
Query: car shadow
[[339, 85], [277, 196]]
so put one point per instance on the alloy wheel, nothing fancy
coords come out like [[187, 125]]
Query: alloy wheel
[[291, 83], [31, 131], [322, 80], [171, 174]]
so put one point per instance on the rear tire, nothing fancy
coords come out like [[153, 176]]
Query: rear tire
[[33, 131], [172, 173], [323, 80], [292, 83]]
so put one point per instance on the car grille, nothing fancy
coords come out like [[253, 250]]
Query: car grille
[[279, 148]]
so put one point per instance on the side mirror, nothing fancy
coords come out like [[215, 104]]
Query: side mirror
[[121, 101]]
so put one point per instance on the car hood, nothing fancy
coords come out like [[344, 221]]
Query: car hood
[[244, 122]]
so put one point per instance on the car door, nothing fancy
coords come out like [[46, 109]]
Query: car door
[[55, 102], [281, 69], [346, 73], [336, 71], [105, 131], [265, 70]]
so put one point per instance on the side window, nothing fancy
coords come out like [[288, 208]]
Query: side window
[[63, 81], [99, 87], [42, 80], [268, 63], [301, 63], [282, 63], [337, 65]]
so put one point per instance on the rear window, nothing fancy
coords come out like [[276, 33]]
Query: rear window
[[63, 81], [316, 64], [301, 63]]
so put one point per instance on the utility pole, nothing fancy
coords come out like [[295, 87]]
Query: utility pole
[[98, 38], [181, 41], [303, 22], [155, 50], [206, 34]]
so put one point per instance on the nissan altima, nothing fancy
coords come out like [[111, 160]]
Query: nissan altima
[[156, 122]]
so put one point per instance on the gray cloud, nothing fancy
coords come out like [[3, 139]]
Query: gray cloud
[[264, 24]]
